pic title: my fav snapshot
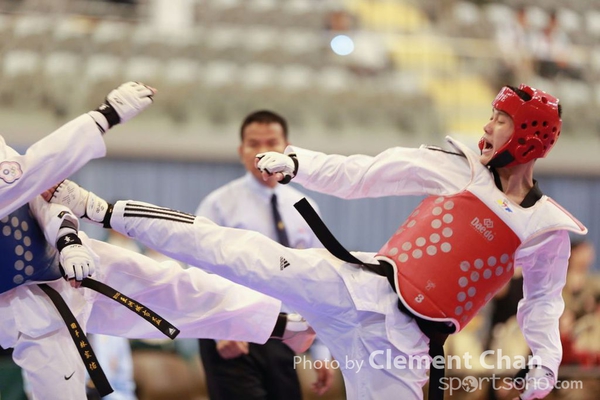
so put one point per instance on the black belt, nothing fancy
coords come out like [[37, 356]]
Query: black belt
[[81, 342], [153, 318], [437, 332], [78, 335]]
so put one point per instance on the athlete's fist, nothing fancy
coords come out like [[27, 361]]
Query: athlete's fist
[[83, 203], [283, 166], [76, 262], [125, 102], [229, 349], [539, 382]]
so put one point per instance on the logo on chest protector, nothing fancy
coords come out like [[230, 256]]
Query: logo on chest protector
[[484, 227]]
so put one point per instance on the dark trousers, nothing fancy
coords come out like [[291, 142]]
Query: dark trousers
[[266, 373]]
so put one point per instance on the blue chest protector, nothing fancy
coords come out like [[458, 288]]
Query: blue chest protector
[[26, 255]]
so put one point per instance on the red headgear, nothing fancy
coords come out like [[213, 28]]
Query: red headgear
[[537, 126]]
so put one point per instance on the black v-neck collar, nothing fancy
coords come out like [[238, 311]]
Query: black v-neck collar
[[532, 196]]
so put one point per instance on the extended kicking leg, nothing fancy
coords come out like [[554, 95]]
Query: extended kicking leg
[[292, 329]]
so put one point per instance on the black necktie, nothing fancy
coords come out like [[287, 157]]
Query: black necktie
[[279, 226]]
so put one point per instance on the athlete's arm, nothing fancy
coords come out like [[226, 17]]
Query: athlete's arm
[[67, 149], [396, 171], [60, 227], [544, 276]]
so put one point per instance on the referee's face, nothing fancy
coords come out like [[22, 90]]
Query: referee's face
[[259, 138]]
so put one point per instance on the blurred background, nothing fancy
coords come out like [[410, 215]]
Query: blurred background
[[350, 76]]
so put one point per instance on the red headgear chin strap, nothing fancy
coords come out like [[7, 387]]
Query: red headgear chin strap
[[537, 126]]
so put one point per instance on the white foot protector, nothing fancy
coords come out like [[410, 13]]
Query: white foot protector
[[298, 334]]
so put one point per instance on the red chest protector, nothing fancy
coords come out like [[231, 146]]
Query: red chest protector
[[452, 254]]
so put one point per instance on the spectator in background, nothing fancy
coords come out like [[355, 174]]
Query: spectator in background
[[11, 383], [553, 51], [504, 304], [580, 322], [114, 354], [583, 285], [119, 8], [369, 56], [242, 370], [125, 2], [514, 41]]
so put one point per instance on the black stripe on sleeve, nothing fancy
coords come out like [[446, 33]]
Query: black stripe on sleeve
[[155, 212]]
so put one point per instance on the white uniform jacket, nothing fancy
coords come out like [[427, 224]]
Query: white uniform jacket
[[48, 161], [22, 178]]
